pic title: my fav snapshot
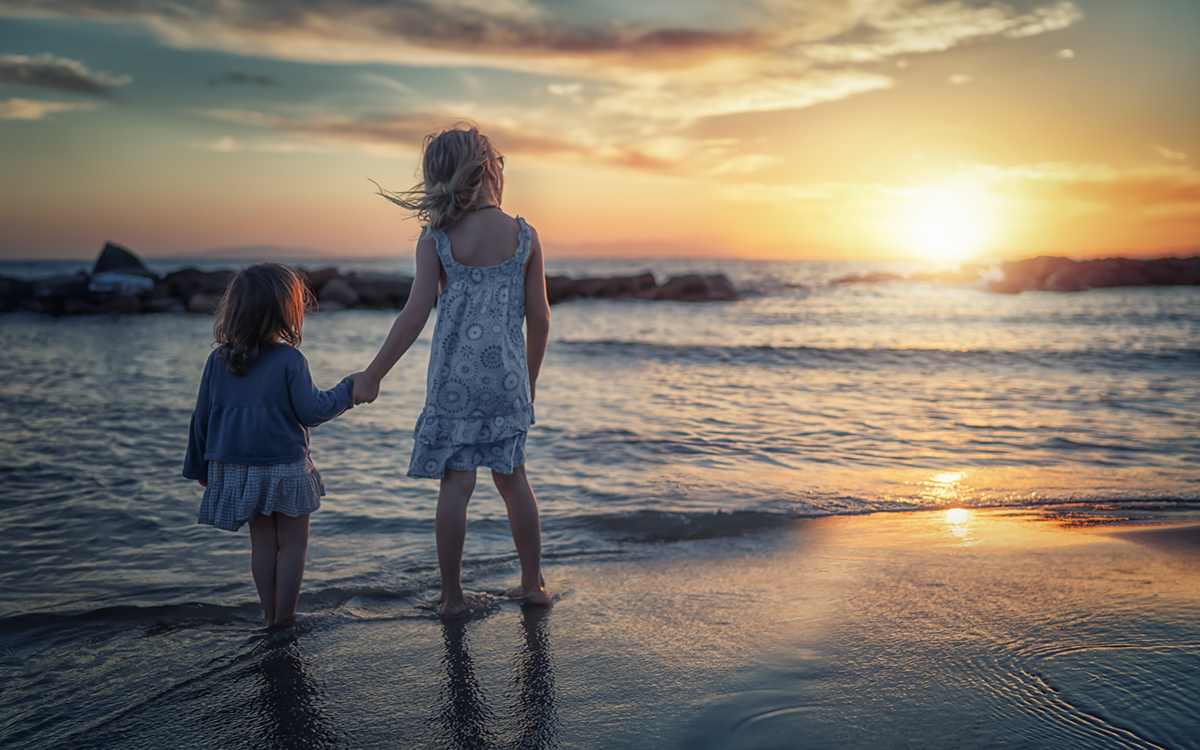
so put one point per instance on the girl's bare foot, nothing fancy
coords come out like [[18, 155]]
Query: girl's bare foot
[[468, 605], [539, 596]]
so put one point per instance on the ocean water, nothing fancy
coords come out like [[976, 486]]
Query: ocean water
[[657, 422]]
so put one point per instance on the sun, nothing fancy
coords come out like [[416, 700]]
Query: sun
[[947, 225]]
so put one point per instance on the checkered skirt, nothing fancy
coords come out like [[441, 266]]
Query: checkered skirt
[[236, 492]]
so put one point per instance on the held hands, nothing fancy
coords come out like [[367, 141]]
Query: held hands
[[366, 389]]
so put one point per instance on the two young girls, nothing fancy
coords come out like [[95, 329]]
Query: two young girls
[[485, 270]]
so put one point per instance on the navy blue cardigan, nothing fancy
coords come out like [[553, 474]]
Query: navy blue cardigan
[[261, 417]]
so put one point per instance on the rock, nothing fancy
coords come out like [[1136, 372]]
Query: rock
[[692, 288], [1065, 275], [1190, 271], [330, 306], [681, 288], [203, 303], [720, 288], [13, 292], [120, 284], [184, 283], [116, 259], [1065, 279], [557, 288], [562, 288], [61, 286], [316, 279], [1173, 271], [380, 290], [695, 288], [160, 290], [1110, 272], [337, 290]]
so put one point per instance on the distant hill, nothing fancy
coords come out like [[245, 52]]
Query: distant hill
[[266, 252]]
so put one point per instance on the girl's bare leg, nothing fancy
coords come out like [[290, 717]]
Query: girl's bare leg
[[263, 555], [278, 546], [291, 535], [451, 531], [526, 528]]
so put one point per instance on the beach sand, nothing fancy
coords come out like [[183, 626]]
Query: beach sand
[[1031, 629]]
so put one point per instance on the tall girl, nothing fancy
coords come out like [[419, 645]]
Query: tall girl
[[248, 445], [482, 371]]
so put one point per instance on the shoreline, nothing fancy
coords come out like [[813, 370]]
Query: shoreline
[[883, 630]]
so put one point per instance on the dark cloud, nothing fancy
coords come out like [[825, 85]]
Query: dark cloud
[[57, 73], [236, 77], [445, 26]]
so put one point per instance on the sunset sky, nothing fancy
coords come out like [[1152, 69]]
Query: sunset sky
[[763, 128]]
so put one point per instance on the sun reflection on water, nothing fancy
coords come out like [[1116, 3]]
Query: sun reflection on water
[[957, 524], [943, 488]]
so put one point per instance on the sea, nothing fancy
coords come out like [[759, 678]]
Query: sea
[[657, 423]]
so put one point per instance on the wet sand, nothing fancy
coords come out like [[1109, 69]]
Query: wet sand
[[982, 629]]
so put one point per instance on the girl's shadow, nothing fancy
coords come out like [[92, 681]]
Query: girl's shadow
[[467, 721]]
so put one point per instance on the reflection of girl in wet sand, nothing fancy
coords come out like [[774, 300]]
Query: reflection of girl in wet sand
[[466, 719], [482, 372]]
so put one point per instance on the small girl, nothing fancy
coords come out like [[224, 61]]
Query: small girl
[[248, 445], [480, 387]]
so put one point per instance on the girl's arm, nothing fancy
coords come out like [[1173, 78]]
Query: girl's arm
[[194, 465], [408, 323], [537, 312], [312, 405]]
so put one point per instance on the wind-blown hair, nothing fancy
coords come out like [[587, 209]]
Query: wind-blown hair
[[453, 165], [263, 305]]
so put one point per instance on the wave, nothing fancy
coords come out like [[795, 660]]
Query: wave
[[823, 357]]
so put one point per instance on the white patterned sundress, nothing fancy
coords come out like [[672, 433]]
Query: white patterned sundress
[[477, 408]]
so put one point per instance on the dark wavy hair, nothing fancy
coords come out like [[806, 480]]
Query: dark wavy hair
[[263, 305], [453, 165]]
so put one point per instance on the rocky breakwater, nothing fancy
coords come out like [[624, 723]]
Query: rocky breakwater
[[120, 283], [1053, 274], [689, 288]]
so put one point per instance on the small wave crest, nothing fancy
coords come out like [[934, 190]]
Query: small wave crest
[[821, 357]]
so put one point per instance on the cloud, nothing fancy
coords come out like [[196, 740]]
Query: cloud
[[390, 83], [1099, 188], [402, 135], [565, 89], [58, 73], [227, 145], [888, 29], [518, 34], [236, 77], [620, 92], [29, 109], [1170, 154]]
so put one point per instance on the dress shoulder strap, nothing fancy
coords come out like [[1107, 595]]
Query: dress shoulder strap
[[441, 244], [524, 238]]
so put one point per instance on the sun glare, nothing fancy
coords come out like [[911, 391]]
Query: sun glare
[[947, 226]]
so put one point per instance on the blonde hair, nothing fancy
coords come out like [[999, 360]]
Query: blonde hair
[[453, 165], [263, 305]]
